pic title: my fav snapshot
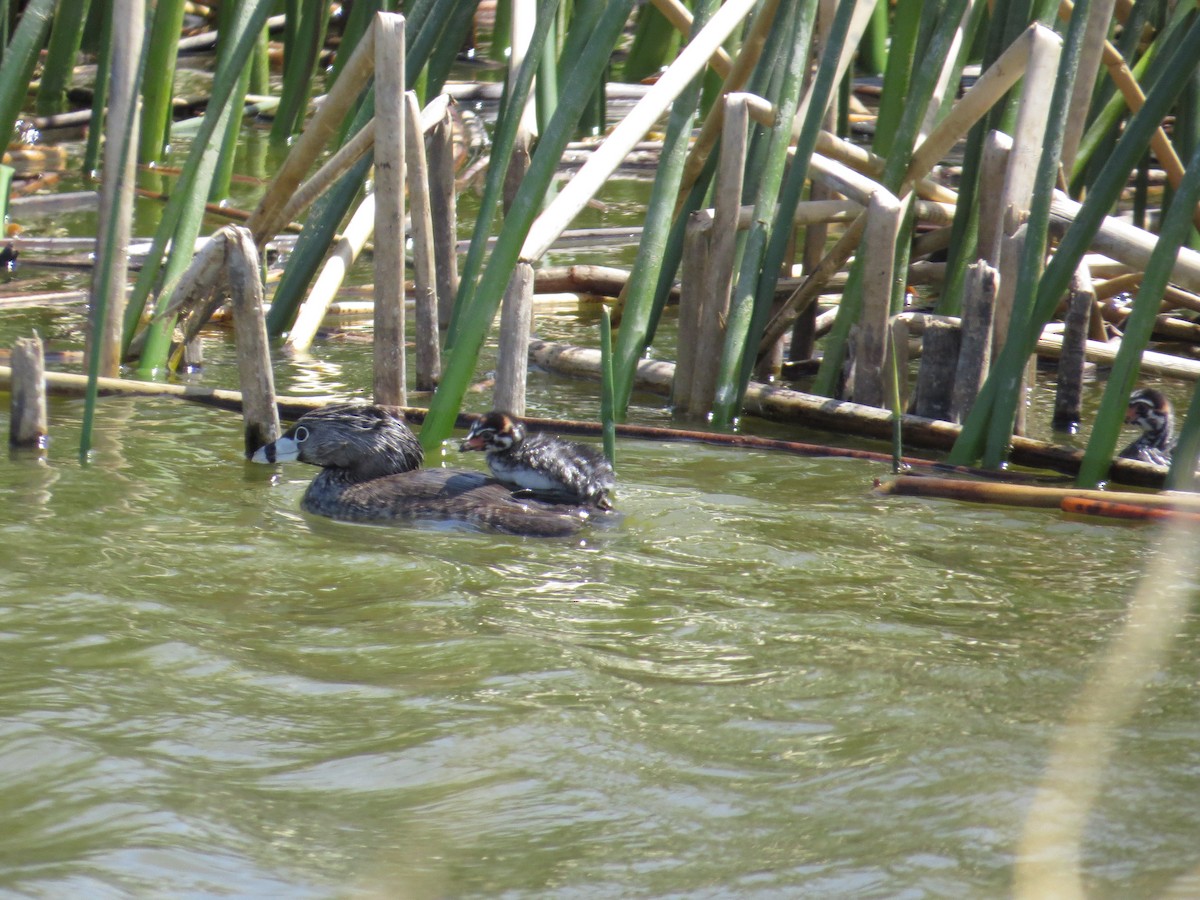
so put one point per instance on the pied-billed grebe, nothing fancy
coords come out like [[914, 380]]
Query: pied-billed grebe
[[370, 472], [544, 465], [1150, 410]]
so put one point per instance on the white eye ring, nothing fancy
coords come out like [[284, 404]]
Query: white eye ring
[[300, 435]]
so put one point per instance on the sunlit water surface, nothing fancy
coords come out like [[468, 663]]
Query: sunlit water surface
[[765, 682]]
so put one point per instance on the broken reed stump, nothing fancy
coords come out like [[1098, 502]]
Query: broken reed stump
[[253, 349], [940, 345], [516, 318], [1069, 390], [442, 196], [884, 214], [428, 342], [975, 351], [693, 288], [710, 319], [28, 426]]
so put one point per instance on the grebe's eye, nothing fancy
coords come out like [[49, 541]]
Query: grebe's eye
[[300, 435]]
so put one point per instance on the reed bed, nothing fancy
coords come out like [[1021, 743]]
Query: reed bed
[[1063, 105]]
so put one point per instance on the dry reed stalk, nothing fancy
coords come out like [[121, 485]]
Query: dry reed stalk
[[111, 279], [1028, 495], [1069, 389], [694, 287], [1029, 136], [1101, 352], [1135, 98], [428, 343], [739, 74], [781, 404], [1137, 512], [992, 168], [680, 18], [27, 425], [1009, 252], [940, 349], [267, 217], [863, 160], [516, 317], [710, 331], [352, 242], [884, 215], [975, 347], [442, 209], [988, 90], [859, 20], [325, 177], [1128, 244], [347, 248], [255, 376], [389, 386], [594, 174], [1091, 52], [814, 283], [722, 250]]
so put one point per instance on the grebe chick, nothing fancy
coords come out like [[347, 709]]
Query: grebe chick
[[1150, 410], [544, 465]]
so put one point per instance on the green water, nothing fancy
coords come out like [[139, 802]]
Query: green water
[[766, 682]]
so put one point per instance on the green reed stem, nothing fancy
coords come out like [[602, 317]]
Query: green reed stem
[[906, 29], [873, 54], [475, 322], [91, 152], [1182, 475], [897, 408], [433, 30], [301, 54], [120, 144], [65, 38], [20, 58], [445, 52], [321, 226], [1176, 229], [608, 394], [187, 200], [792, 191], [546, 86], [998, 395], [320, 229], [638, 316], [158, 93], [1033, 251], [362, 13], [655, 43], [768, 229], [6, 178], [918, 92], [512, 102], [223, 175], [1147, 70]]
